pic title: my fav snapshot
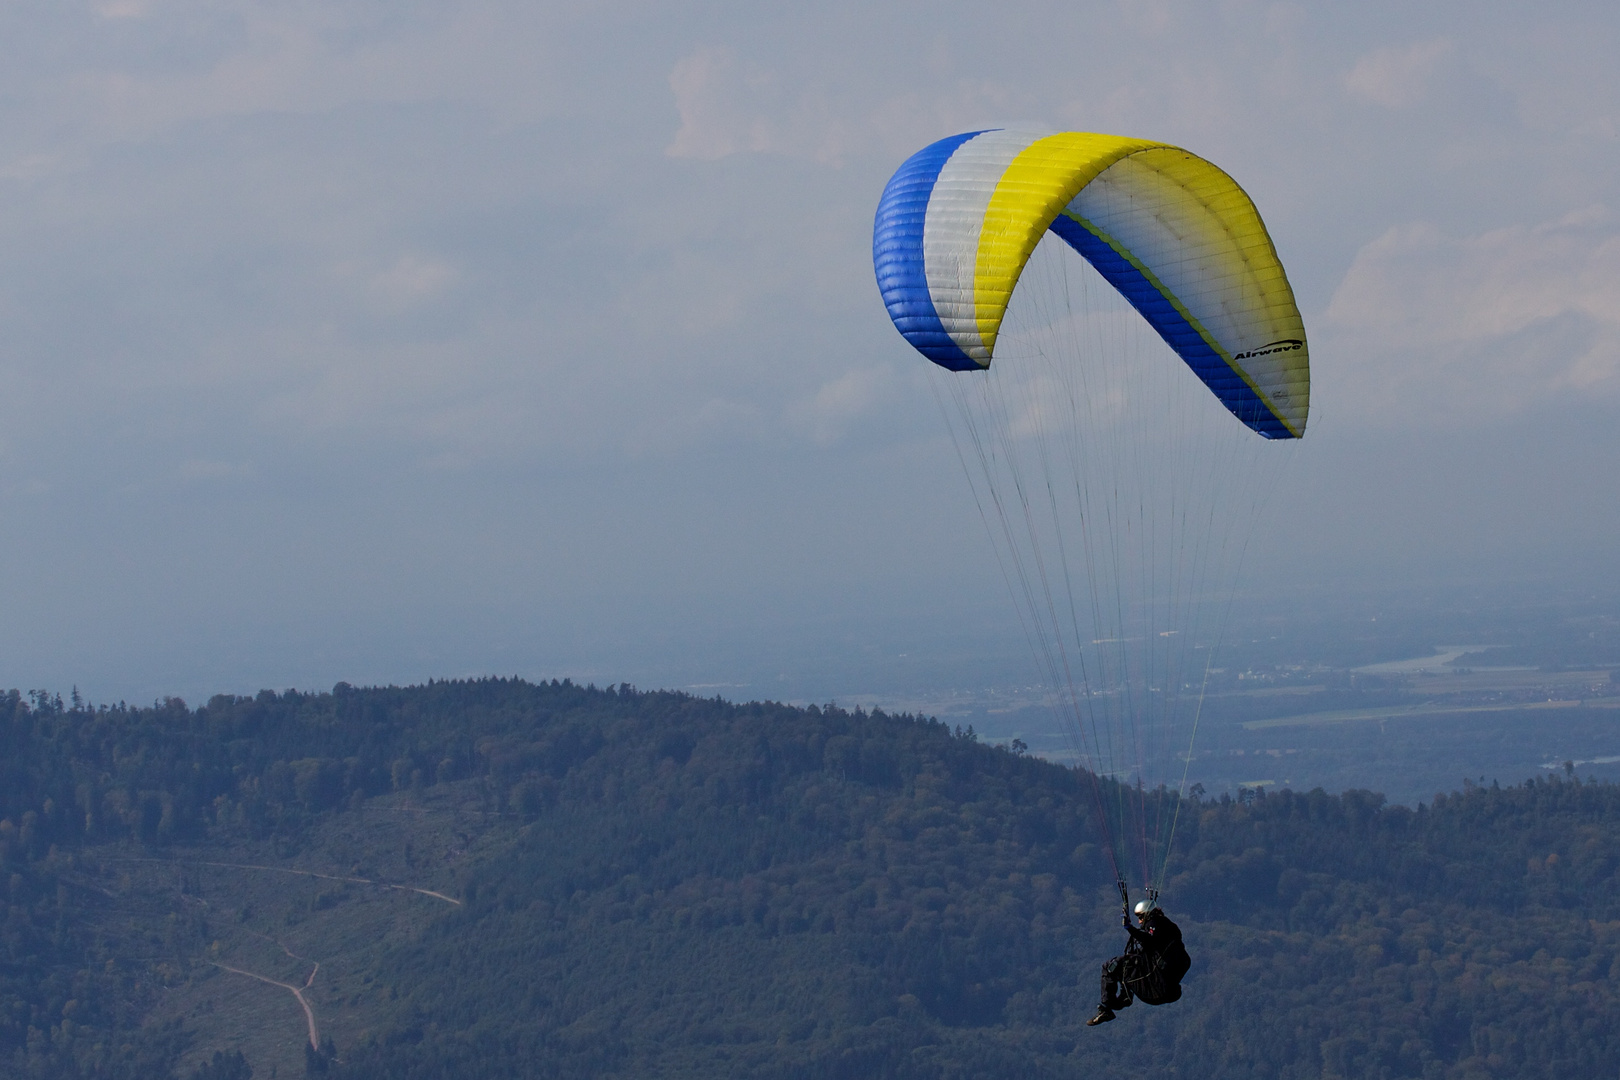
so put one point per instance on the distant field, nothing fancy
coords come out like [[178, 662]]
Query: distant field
[[1311, 730], [1507, 680], [1563, 690], [1405, 712]]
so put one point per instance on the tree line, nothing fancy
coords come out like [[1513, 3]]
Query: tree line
[[695, 887]]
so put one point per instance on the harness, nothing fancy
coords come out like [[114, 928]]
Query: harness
[[1146, 978]]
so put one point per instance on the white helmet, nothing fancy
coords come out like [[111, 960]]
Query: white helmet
[[1142, 908]]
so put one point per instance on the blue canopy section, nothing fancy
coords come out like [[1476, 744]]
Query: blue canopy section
[[897, 255], [1162, 315]]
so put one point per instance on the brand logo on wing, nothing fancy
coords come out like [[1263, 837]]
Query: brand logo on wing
[[1285, 345]]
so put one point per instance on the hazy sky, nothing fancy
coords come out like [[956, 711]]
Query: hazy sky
[[379, 341]]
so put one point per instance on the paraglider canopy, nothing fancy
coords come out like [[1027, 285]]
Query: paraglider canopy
[[1091, 403], [1173, 233]]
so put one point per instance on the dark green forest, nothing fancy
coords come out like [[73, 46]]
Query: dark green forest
[[653, 884]]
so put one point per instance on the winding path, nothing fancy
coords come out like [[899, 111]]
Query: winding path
[[304, 873], [335, 877], [297, 992]]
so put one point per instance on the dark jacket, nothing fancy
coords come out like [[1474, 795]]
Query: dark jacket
[[1161, 960]]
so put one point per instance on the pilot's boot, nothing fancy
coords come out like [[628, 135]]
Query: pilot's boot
[[1104, 1014]]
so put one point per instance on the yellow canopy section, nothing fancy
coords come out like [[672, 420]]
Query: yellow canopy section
[[1037, 185], [1180, 239]]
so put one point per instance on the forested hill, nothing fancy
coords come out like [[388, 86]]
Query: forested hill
[[503, 879]]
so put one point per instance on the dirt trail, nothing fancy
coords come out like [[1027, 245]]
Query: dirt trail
[[283, 947], [335, 877], [306, 873], [297, 992]]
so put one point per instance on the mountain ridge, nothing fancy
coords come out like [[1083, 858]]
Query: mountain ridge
[[654, 884]]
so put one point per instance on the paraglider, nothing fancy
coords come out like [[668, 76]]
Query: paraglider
[[1118, 472], [1150, 969]]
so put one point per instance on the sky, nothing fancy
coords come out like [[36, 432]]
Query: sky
[[380, 342]]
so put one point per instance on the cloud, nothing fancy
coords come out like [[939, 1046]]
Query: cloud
[[716, 122], [685, 424], [1398, 75], [197, 469], [123, 9], [143, 68], [411, 279], [378, 260], [728, 106], [1430, 326], [29, 167], [827, 414]]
